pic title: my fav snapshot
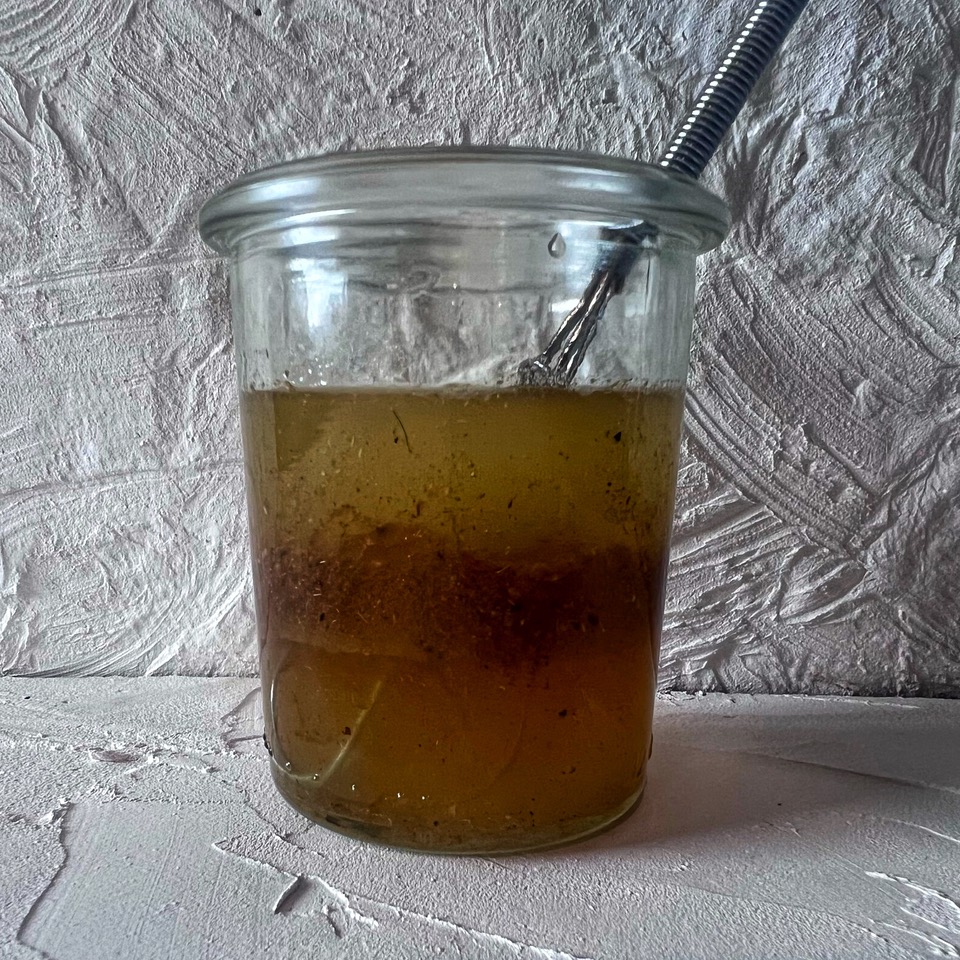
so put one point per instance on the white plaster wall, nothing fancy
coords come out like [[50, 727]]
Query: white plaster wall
[[817, 527]]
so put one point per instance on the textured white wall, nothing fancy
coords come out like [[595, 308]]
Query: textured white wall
[[818, 524]]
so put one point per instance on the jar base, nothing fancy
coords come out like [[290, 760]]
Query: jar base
[[459, 838]]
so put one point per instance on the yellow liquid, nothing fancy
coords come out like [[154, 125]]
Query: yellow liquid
[[459, 595]]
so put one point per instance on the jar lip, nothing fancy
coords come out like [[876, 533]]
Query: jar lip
[[423, 182]]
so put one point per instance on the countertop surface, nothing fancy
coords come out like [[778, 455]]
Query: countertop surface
[[139, 821]]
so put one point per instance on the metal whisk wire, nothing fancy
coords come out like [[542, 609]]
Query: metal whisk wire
[[690, 149]]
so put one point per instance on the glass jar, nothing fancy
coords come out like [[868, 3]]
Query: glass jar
[[459, 579]]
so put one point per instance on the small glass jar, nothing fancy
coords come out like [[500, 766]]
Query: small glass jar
[[459, 579]]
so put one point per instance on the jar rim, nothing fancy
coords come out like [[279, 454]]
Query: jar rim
[[424, 182]]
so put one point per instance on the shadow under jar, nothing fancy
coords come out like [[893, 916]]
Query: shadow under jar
[[459, 579]]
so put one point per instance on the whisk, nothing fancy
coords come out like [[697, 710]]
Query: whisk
[[688, 152]]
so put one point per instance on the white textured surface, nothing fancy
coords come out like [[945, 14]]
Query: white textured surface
[[818, 519], [139, 821]]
